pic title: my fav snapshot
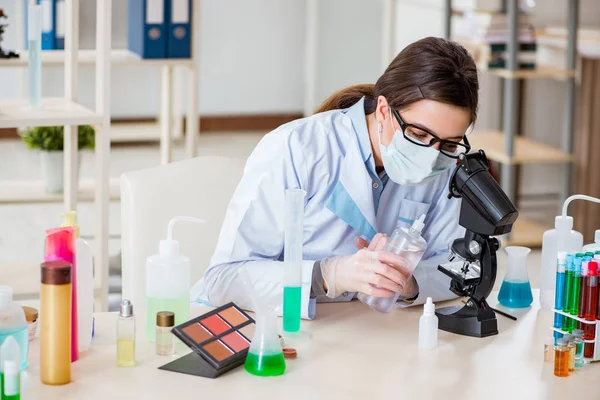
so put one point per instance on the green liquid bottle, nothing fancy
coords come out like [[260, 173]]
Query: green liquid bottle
[[264, 356]]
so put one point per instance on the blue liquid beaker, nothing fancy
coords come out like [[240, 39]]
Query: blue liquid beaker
[[515, 291]]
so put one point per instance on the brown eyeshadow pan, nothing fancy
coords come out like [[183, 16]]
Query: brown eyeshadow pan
[[197, 332], [233, 316], [217, 350]]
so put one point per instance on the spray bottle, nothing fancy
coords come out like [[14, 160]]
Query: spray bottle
[[84, 260], [561, 238], [168, 281]]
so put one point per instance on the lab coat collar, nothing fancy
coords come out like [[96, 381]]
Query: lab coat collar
[[352, 196]]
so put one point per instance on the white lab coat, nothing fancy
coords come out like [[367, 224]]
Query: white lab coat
[[329, 156]]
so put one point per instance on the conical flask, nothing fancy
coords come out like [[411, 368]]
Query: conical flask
[[515, 291], [264, 356]]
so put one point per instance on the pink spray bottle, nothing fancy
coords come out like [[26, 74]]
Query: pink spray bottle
[[60, 246]]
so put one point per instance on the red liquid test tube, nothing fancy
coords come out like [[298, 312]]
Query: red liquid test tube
[[591, 309], [583, 293]]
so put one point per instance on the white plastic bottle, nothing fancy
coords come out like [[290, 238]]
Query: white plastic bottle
[[10, 355], [168, 281], [428, 326], [571, 240], [408, 243], [84, 261], [593, 247]]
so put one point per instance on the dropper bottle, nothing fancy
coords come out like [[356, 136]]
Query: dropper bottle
[[428, 326]]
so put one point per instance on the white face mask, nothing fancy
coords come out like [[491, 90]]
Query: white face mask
[[409, 164]]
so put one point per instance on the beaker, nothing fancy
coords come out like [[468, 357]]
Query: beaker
[[265, 357], [515, 291]]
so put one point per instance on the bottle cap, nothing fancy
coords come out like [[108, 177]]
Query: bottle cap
[[165, 319], [56, 273], [597, 252], [592, 268], [168, 248], [579, 255], [419, 224], [562, 341], [563, 223], [562, 257], [71, 220], [589, 254], [578, 332], [429, 307], [31, 314], [6, 294], [126, 309]]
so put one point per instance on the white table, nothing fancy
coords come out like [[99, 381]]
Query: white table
[[354, 353]]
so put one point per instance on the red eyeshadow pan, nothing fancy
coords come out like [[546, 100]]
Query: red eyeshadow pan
[[215, 324], [235, 341]]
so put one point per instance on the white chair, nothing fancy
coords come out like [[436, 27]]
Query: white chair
[[201, 187]]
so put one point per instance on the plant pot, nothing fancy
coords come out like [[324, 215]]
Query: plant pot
[[53, 171]]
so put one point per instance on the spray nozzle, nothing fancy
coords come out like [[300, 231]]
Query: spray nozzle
[[577, 197], [71, 220], [170, 247], [419, 224]]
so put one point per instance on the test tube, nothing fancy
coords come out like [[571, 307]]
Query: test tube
[[292, 279], [570, 271], [590, 308], [562, 260], [34, 37]]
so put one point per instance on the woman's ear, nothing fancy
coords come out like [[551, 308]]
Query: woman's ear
[[383, 110]]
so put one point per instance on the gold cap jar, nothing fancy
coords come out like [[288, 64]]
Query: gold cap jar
[[165, 319]]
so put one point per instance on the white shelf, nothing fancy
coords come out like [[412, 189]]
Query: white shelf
[[33, 192], [119, 56], [123, 132], [54, 112]]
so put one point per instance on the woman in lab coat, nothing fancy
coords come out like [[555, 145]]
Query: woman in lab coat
[[373, 158]]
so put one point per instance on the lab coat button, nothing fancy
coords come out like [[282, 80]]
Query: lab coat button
[[345, 294], [375, 185]]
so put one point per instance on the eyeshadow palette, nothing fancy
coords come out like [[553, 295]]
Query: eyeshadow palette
[[221, 337]]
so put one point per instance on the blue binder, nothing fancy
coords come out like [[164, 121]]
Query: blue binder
[[146, 28], [48, 24], [59, 24], [179, 29]]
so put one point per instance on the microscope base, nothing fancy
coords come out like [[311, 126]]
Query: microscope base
[[468, 321]]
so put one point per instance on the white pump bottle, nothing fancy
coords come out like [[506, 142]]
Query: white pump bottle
[[562, 238], [168, 281]]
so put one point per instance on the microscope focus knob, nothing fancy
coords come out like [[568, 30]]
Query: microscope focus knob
[[474, 247]]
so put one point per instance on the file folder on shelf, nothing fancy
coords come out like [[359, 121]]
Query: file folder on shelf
[[179, 29], [146, 28], [59, 25], [48, 23]]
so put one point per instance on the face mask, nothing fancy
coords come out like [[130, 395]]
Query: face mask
[[409, 164]]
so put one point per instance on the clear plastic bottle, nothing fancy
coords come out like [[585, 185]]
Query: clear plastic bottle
[[408, 243], [126, 336], [13, 323]]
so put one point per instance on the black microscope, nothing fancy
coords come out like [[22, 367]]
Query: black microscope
[[485, 211]]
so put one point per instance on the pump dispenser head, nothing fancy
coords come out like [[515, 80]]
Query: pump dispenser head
[[71, 220], [169, 248]]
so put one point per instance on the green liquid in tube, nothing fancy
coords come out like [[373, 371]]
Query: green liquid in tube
[[292, 303], [265, 365], [568, 300]]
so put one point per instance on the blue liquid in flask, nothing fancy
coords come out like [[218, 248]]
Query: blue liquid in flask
[[515, 294]]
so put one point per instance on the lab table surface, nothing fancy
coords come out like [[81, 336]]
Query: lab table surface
[[353, 352]]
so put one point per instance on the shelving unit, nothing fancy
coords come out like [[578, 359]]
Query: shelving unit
[[170, 125], [505, 146]]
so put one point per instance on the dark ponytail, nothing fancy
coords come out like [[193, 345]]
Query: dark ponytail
[[431, 68]]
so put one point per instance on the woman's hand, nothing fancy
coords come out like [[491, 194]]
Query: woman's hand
[[366, 271], [408, 290]]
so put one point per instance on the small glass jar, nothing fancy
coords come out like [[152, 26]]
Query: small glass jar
[[165, 341], [549, 350], [561, 357]]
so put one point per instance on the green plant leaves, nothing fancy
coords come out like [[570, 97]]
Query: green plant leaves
[[51, 138]]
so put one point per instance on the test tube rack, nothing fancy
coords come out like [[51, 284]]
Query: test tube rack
[[596, 339]]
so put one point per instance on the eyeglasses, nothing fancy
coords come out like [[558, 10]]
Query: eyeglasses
[[424, 138]]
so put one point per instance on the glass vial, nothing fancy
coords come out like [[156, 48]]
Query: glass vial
[[561, 358], [165, 341], [549, 350], [572, 352], [126, 336]]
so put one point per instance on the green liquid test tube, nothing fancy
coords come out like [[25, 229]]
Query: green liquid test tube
[[566, 324], [292, 278]]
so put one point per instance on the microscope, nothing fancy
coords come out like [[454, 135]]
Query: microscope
[[485, 212]]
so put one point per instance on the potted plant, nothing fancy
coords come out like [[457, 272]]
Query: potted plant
[[50, 141]]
